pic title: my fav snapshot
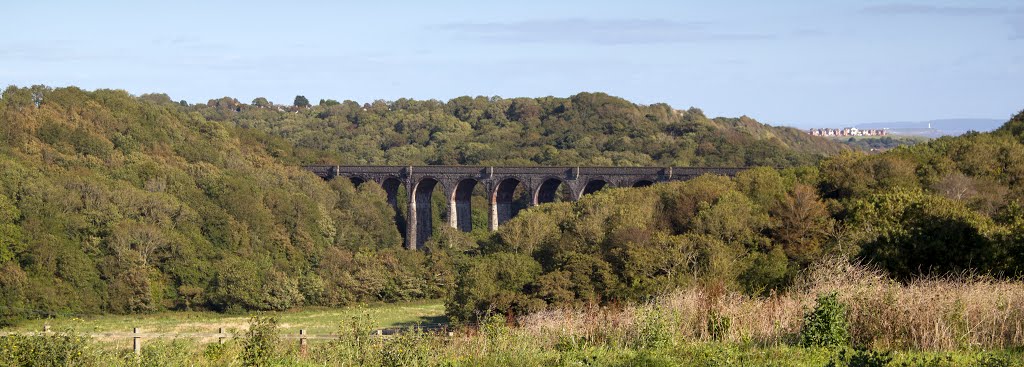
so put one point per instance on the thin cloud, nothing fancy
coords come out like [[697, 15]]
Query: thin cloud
[[809, 32], [1017, 28], [50, 51], [918, 9], [1015, 16], [595, 31]]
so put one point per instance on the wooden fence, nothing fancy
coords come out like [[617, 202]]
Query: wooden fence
[[137, 335]]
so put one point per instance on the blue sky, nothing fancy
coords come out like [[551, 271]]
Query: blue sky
[[801, 63]]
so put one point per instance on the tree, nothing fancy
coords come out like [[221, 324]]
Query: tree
[[263, 102], [800, 222], [301, 101], [495, 284], [912, 232]]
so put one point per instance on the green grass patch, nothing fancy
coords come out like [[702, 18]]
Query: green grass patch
[[314, 320]]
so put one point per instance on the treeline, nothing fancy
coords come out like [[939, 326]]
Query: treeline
[[881, 143], [589, 129]]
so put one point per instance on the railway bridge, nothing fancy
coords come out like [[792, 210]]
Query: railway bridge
[[458, 182]]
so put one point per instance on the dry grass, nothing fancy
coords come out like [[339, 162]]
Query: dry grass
[[954, 312], [936, 314]]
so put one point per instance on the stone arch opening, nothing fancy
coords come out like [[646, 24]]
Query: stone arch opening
[[503, 203], [356, 180], [461, 205], [643, 183], [393, 188], [551, 190], [593, 186], [421, 212]]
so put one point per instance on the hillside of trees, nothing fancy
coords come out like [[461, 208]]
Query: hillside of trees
[[948, 206], [116, 203], [112, 203], [589, 129]]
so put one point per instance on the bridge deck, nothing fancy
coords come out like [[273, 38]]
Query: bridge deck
[[330, 171]]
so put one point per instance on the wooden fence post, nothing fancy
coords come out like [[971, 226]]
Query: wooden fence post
[[136, 341], [220, 338], [303, 347]]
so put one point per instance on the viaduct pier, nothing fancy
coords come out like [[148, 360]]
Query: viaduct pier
[[499, 183]]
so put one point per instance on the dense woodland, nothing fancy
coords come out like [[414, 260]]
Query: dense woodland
[[591, 129], [112, 203], [882, 143]]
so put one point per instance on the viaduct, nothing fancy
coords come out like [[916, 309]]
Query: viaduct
[[457, 184]]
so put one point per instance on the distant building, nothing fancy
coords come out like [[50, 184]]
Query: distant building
[[847, 131]]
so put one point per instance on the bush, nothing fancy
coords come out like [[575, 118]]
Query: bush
[[61, 349], [410, 348], [718, 325], [259, 346], [826, 325], [495, 284], [861, 358], [652, 329], [355, 345]]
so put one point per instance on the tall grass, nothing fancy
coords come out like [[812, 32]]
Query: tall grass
[[935, 314]]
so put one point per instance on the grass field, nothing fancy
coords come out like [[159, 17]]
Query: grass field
[[314, 320]]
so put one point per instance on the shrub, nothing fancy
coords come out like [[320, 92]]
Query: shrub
[[410, 348], [355, 343], [826, 325], [652, 329], [861, 358], [718, 325], [495, 328], [495, 284], [61, 349], [260, 343], [993, 361]]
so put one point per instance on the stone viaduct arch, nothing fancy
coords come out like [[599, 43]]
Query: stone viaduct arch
[[499, 183]]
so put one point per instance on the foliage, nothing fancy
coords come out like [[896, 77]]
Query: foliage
[[653, 329], [826, 325], [584, 129], [116, 203], [861, 358], [406, 349], [947, 205], [1015, 126], [883, 143], [718, 325], [912, 231], [123, 204], [752, 232], [495, 283], [261, 341], [60, 349]]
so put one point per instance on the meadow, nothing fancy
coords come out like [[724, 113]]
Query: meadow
[[315, 320]]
